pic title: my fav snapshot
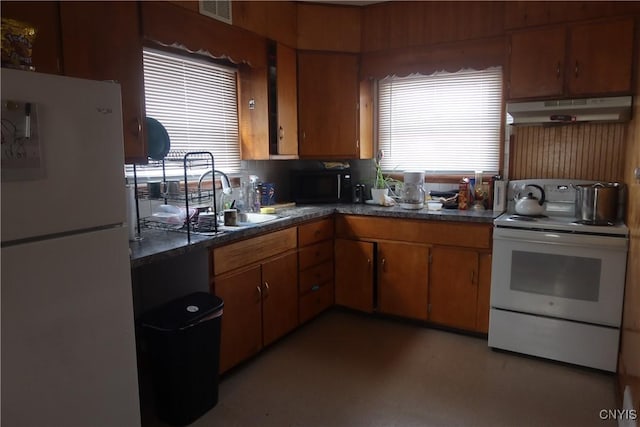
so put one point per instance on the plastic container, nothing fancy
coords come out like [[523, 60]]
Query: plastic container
[[183, 339]]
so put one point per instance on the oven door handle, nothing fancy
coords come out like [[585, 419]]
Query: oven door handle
[[564, 239]]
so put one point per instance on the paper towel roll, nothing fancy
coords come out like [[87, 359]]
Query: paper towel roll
[[132, 217]]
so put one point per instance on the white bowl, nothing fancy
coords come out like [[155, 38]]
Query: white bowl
[[434, 206]]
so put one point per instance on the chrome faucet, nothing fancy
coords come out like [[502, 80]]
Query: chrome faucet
[[226, 184]]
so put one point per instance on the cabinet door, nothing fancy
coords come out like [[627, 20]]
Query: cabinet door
[[253, 112], [453, 287], [241, 335], [536, 63], [287, 101], [600, 58], [354, 274], [279, 297], [328, 105], [484, 287], [102, 41], [43, 15], [402, 279]]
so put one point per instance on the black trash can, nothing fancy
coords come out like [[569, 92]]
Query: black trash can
[[183, 339]]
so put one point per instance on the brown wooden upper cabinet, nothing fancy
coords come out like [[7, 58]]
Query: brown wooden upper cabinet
[[102, 41], [284, 138], [268, 108], [587, 59], [328, 98]]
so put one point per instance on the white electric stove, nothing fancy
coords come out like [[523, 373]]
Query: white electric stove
[[557, 285]]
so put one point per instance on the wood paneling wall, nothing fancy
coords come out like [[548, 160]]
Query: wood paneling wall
[[197, 32], [329, 27], [629, 365], [581, 151]]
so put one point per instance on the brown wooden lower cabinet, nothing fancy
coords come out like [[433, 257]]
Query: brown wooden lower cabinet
[[315, 261], [241, 335], [403, 273], [266, 298], [459, 288], [354, 274], [484, 292], [442, 277], [279, 297], [260, 306]]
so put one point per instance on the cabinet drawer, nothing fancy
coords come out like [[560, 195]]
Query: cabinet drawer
[[316, 231], [249, 251], [315, 276], [471, 235], [316, 302], [315, 254]]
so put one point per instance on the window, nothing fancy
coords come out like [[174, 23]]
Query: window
[[196, 101], [443, 123]]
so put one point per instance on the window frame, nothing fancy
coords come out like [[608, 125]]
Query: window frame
[[447, 177], [173, 167]]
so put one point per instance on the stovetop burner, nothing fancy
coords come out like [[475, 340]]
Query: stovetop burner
[[559, 210]]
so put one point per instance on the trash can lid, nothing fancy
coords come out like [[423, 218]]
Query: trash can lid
[[183, 312]]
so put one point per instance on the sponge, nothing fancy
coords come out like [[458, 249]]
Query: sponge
[[268, 210]]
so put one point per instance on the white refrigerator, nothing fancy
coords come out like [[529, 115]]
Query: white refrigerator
[[67, 323]]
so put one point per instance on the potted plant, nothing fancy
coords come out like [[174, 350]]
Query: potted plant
[[380, 187]]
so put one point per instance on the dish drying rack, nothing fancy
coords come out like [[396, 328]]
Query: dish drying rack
[[190, 198]]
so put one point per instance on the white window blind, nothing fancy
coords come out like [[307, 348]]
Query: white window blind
[[196, 101], [446, 122]]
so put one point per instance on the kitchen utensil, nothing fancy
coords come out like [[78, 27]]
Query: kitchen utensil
[[230, 217], [529, 204], [158, 143], [155, 189], [359, 191], [597, 203], [173, 188]]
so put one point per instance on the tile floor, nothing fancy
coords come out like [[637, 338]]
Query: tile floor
[[346, 369]]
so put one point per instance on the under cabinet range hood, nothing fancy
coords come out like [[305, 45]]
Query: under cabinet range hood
[[611, 109]]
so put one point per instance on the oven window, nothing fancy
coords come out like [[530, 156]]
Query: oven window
[[562, 276]]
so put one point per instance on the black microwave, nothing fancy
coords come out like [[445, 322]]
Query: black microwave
[[321, 186]]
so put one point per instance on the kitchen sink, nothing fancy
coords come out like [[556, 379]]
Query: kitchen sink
[[250, 219], [256, 218]]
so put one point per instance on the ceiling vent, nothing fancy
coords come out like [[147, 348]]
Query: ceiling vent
[[220, 10]]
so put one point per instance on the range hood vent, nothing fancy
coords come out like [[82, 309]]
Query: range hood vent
[[564, 111]]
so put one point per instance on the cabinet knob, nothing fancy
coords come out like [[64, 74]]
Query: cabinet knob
[[281, 133], [266, 288], [259, 293], [558, 70], [577, 69], [384, 264], [134, 127], [473, 277]]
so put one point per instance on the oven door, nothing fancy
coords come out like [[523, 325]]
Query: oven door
[[561, 275]]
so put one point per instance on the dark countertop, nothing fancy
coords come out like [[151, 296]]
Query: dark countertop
[[158, 245]]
